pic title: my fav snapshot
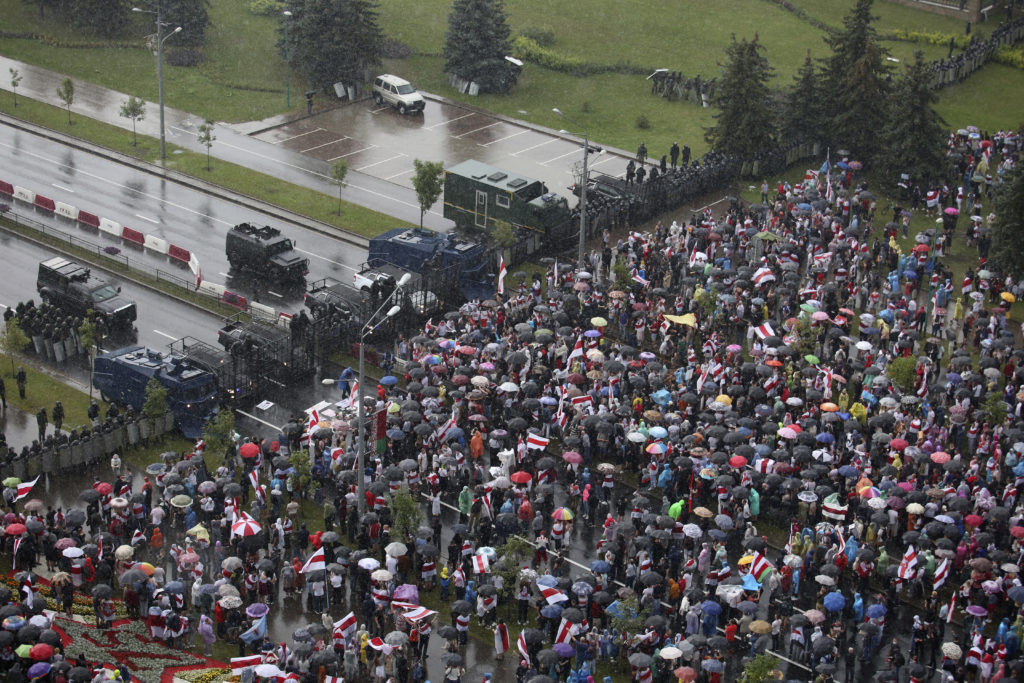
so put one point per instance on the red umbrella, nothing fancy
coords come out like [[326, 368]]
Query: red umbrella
[[249, 450], [521, 477], [104, 488], [898, 444], [16, 529], [940, 457], [1017, 531], [737, 461], [466, 350], [576, 378], [572, 456], [972, 520], [40, 652]]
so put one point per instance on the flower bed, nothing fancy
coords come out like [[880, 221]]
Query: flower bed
[[82, 605]]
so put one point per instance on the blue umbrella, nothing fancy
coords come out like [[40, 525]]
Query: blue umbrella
[[592, 334], [600, 567], [876, 611], [711, 607], [712, 665], [1016, 594], [869, 330], [175, 587], [848, 471], [804, 206], [953, 377], [395, 434], [843, 165], [389, 380], [835, 601], [1019, 469], [551, 611], [910, 274], [547, 581], [662, 397], [717, 534], [825, 437], [454, 433]]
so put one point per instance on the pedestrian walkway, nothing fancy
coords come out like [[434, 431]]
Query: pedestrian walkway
[[233, 144]]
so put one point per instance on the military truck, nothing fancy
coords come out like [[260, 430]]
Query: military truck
[[426, 252], [477, 194], [122, 376], [73, 288], [263, 252]]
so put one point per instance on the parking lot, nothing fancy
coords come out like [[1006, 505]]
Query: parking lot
[[381, 142]]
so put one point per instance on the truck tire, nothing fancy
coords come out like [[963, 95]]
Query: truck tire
[[378, 99], [402, 109]]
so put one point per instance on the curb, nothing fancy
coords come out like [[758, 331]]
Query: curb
[[272, 210]]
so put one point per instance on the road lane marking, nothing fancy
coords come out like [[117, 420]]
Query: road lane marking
[[147, 218], [351, 153], [379, 109], [476, 130], [539, 144], [381, 162], [223, 274], [61, 187], [592, 164], [507, 137], [560, 156], [310, 149], [100, 178], [164, 334], [279, 296], [292, 137], [310, 253], [408, 170], [447, 121], [260, 420]]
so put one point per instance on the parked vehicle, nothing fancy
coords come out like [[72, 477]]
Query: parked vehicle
[[424, 252], [265, 253], [73, 288], [399, 93]]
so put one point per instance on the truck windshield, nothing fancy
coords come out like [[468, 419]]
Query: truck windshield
[[196, 392], [103, 293], [281, 247]]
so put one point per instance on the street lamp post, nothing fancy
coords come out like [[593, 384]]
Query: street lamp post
[[287, 79], [583, 188], [367, 328], [160, 38]]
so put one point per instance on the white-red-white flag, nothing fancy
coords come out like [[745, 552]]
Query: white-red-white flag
[[502, 272], [500, 639], [24, 489], [553, 595], [480, 564], [315, 563], [536, 441], [941, 574]]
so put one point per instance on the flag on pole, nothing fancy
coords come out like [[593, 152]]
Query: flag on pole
[[500, 638], [418, 614], [24, 489], [536, 441], [908, 565], [502, 272], [941, 574], [346, 623], [760, 566], [833, 509], [523, 649], [951, 608], [99, 548], [258, 630], [17, 544], [577, 350], [314, 563], [564, 631]]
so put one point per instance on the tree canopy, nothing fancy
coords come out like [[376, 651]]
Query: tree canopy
[[745, 122], [334, 40], [914, 133], [477, 43], [1008, 229]]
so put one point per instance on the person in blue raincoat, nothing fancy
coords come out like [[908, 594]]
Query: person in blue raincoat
[[858, 607], [665, 478]]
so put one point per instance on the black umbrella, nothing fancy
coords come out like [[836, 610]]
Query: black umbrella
[[462, 607], [547, 658]]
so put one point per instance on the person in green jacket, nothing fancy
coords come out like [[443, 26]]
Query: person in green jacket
[[465, 504]]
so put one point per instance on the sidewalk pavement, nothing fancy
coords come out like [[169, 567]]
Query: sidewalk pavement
[[233, 143]]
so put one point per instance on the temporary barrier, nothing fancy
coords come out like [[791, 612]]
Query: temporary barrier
[[44, 203], [236, 300], [66, 211], [27, 196], [263, 312], [157, 244], [6, 188], [179, 254], [111, 227], [212, 288], [133, 236], [90, 219]]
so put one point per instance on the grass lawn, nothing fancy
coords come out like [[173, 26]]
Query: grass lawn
[[242, 78], [301, 200], [43, 389]]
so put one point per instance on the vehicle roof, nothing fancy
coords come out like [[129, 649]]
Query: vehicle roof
[[394, 80], [151, 362], [491, 175]]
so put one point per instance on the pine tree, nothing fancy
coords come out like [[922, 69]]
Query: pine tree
[[914, 133], [802, 114], [855, 82], [477, 42], [745, 122], [191, 16], [334, 40], [1008, 229]]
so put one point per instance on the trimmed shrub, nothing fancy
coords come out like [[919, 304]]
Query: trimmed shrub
[[185, 56]]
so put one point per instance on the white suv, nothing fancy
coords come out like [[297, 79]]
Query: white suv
[[397, 92]]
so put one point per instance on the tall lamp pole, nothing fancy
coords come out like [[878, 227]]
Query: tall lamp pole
[[287, 79], [583, 187], [366, 330], [160, 38]]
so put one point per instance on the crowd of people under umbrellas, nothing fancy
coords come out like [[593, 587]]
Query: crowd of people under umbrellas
[[820, 432]]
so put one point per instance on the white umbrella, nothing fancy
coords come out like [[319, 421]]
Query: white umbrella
[[267, 671], [509, 387], [670, 652], [636, 437], [369, 563], [692, 531], [381, 575], [72, 553], [396, 549]]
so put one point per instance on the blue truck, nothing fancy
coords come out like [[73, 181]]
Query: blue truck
[[122, 376], [423, 252]]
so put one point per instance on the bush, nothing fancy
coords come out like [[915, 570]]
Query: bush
[[266, 7], [642, 122], [541, 36], [395, 49], [530, 50], [185, 56]]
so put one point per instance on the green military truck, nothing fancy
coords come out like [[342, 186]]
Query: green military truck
[[476, 195]]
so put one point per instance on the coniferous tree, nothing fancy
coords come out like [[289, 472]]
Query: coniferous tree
[[914, 133], [477, 43], [334, 40], [745, 122], [1008, 229], [103, 17], [855, 83], [802, 113], [191, 16]]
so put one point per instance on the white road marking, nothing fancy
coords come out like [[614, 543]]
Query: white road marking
[[310, 149], [539, 144], [164, 334], [100, 178], [61, 187], [147, 218], [507, 137], [560, 156], [281, 296], [363, 149], [408, 170], [446, 122], [226, 275], [261, 421], [476, 130], [379, 109], [310, 253], [292, 137], [592, 164], [381, 161]]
